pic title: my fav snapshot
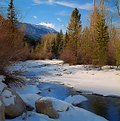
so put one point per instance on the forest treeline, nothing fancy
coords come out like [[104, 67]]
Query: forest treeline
[[97, 44]]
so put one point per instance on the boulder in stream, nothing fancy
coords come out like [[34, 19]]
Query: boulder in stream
[[14, 105]]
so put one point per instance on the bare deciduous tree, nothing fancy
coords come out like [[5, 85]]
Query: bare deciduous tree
[[11, 42], [117, 4]]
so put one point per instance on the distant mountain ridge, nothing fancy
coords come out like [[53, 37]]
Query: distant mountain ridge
[[36, 31]]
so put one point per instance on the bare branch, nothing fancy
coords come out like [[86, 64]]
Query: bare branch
[[117, 6]]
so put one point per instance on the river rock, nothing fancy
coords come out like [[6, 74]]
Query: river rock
[[46, 107], [14, 105]]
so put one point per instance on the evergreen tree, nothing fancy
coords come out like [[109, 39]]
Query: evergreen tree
[[102, 39], [11, 13], [74, 33], [99, 36], [60, 41], [86, 47], [57, 44], [74, 27], [93, 33], [65, 40]]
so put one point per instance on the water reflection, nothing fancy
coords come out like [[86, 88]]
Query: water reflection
[[108, 107]]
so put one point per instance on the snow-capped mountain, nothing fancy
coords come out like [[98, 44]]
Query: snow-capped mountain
[[36, 31]]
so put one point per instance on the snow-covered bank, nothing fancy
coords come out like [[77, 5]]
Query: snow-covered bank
[[66, 111], [44, 78], [75, 99], [105, 82]]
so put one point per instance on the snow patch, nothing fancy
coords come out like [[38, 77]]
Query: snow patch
[[75, 99], [30, 98], [8, 98], [80, 77], [68, 112], [58, 105]]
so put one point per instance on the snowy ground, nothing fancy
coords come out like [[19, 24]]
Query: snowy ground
[[61, 102], [52, 73], [82, 78]]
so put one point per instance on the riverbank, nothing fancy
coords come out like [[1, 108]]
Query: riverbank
[[81, 77], [95, 90]]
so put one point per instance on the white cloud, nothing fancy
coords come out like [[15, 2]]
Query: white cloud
[[41, 1], [59, 19], [87, 6], [47, 24], [35, 17], [50, 1], [37, 1]]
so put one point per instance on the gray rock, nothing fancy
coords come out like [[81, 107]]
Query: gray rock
[[14, 105]]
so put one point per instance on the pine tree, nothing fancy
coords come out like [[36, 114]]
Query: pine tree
[[74, 33], [75, 26], [101, 39], [60, 41], [57, 44], [11, 13], [65, 40], [93, 24], [86, 47], [99, 36]]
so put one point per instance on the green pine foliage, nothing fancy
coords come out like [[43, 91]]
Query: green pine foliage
[[57, 45], [85, 48], [73, 33], [65, 40], [102, 39], [74, 26], [11, 13], [93, 33]]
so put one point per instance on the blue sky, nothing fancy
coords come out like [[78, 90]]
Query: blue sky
[[53, 13]]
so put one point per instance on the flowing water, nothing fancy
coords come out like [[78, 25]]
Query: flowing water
[[105, 106]]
